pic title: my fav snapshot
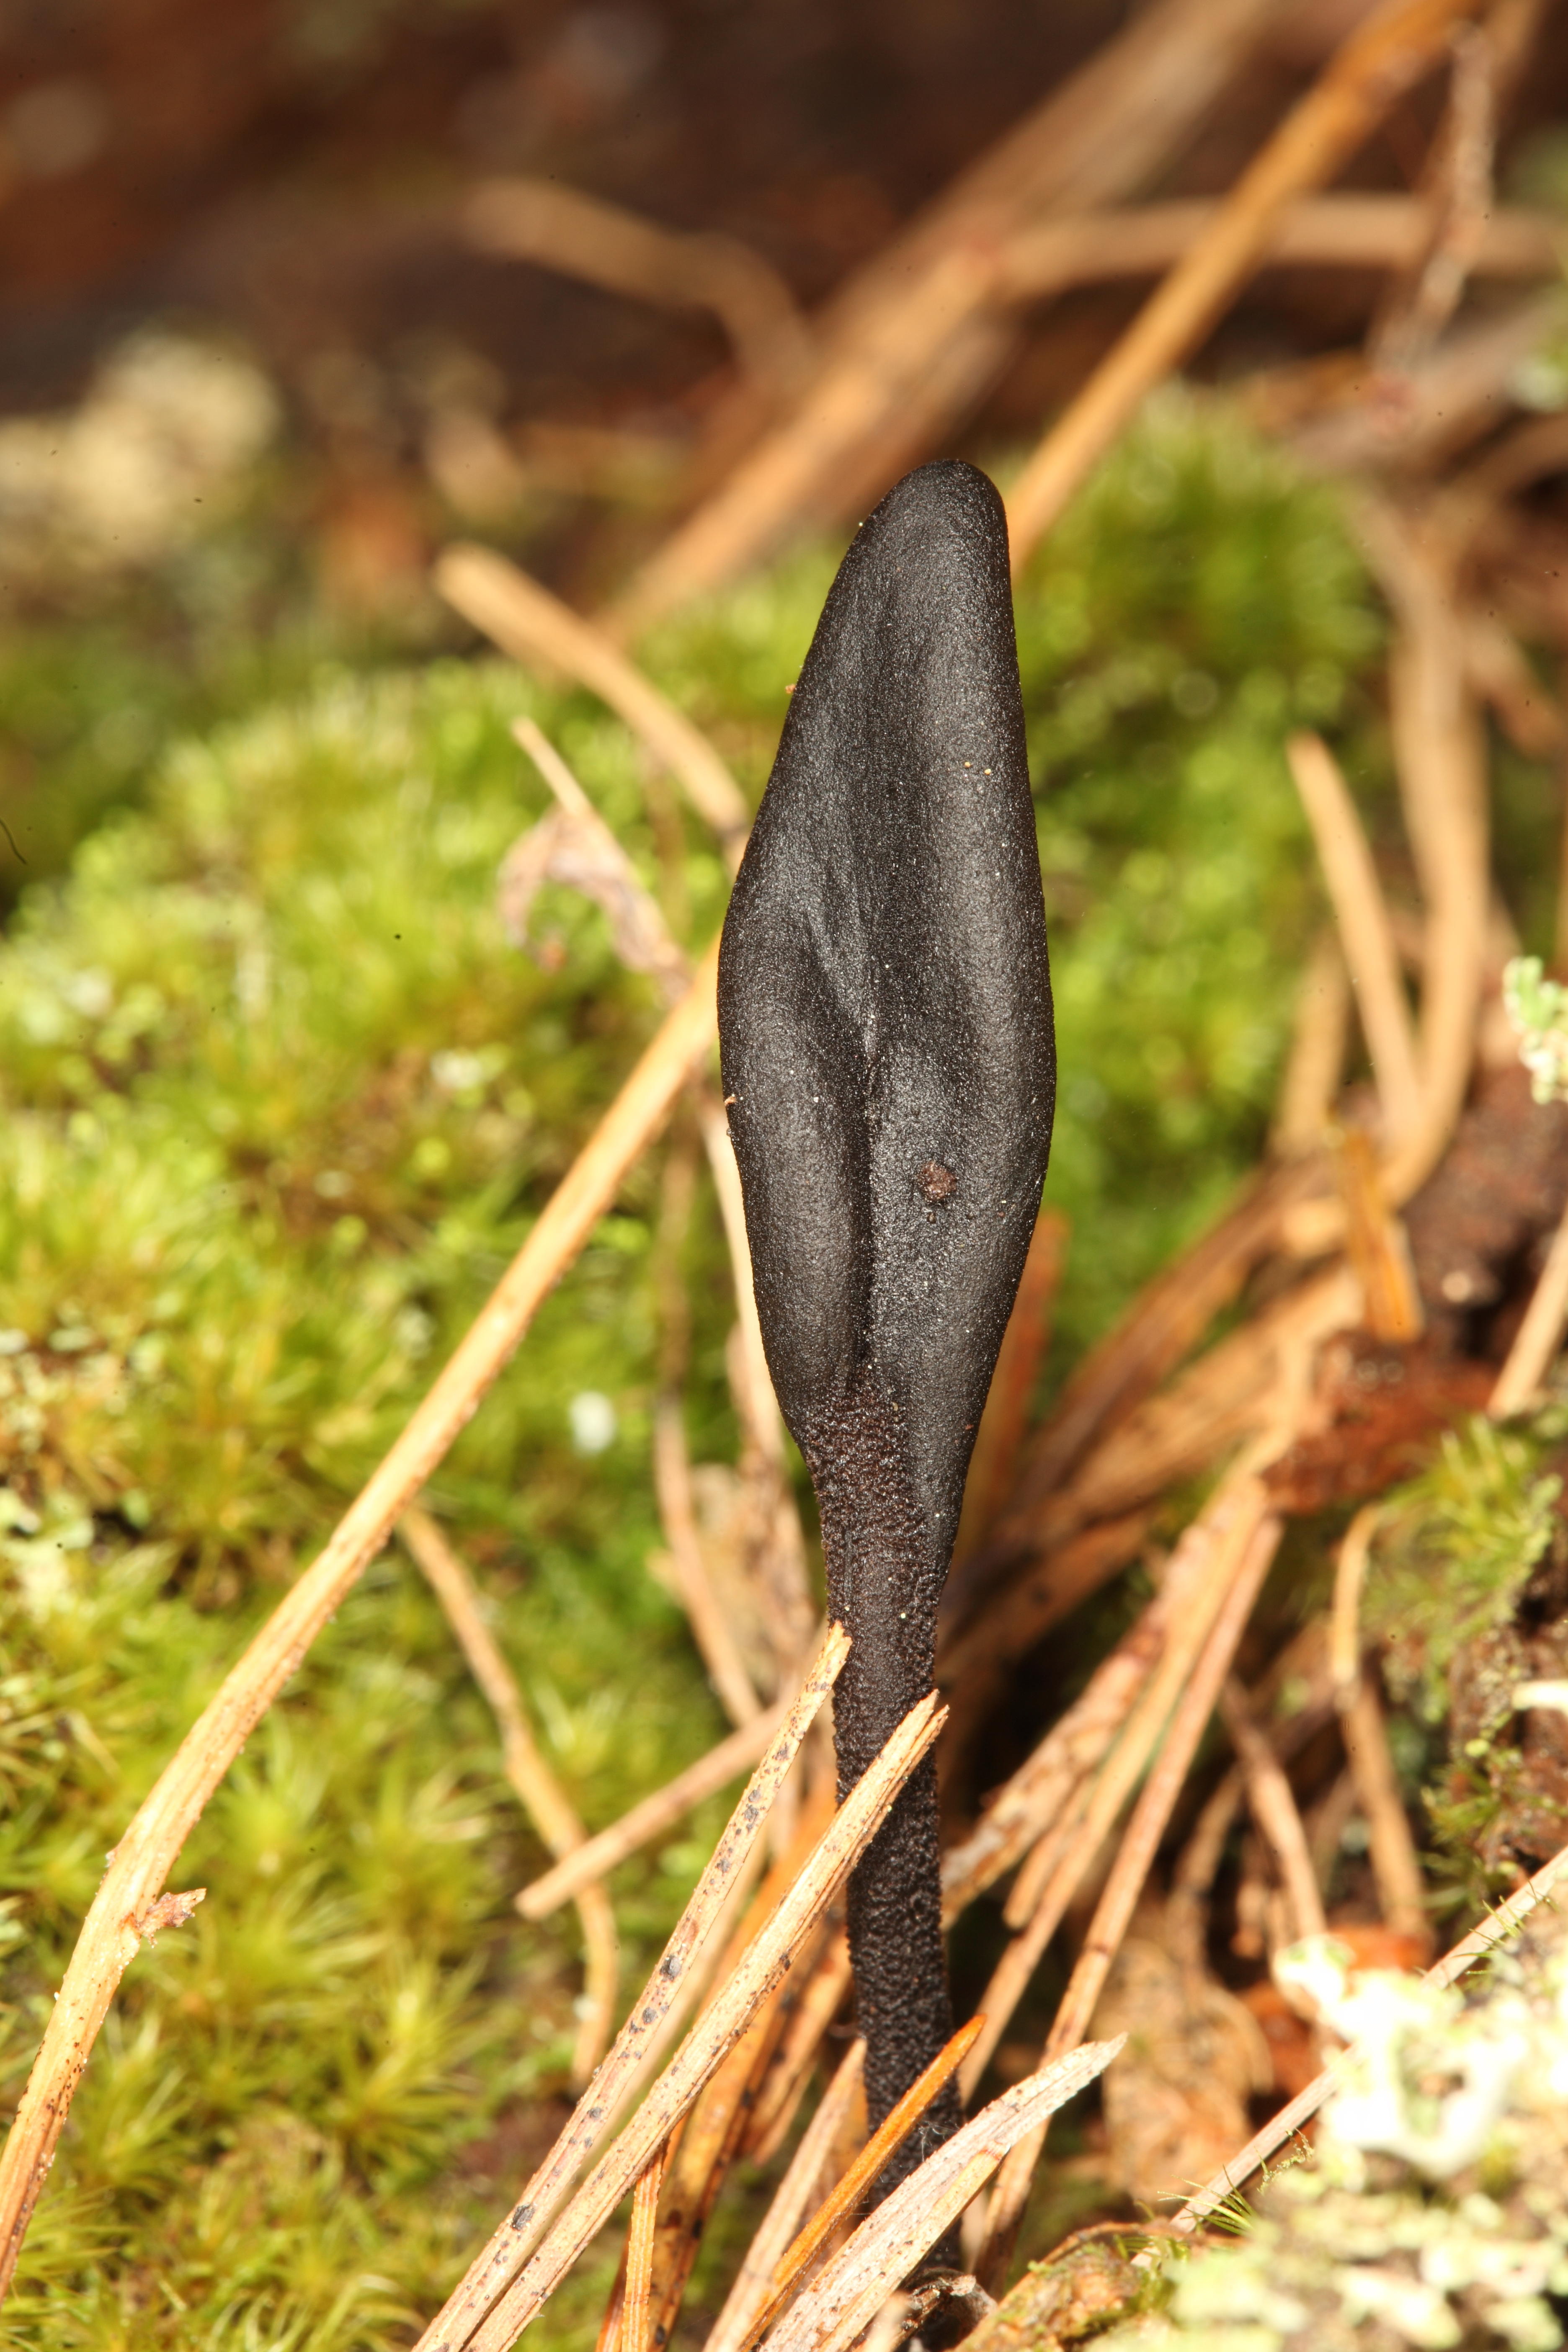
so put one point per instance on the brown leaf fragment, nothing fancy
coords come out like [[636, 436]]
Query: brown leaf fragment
[[1385, 1405], [1177, 2103]]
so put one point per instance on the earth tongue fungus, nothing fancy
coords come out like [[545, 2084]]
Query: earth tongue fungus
[[885, 1023]]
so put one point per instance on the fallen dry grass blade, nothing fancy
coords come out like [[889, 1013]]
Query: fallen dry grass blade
[[1539, 1337], [1374, 68], [845, 2297], [652, 1816], [753, 2281], [148, 1847], [884, 2143], [720, 2026], [1135, 1856], [1493, 1931], [537, 1789], [595, 2112], [1372, 958], [527, 622]]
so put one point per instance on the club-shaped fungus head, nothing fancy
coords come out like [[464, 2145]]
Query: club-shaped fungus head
[[885, 1023]]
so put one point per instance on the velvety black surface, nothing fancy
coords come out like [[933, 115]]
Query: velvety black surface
[[885, 1023]]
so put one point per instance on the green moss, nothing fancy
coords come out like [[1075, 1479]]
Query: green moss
[[1455, 1553]]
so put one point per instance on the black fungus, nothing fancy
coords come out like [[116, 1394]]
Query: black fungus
[[885, 1023]]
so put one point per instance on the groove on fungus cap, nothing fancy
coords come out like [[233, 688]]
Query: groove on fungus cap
[[885, 1026]]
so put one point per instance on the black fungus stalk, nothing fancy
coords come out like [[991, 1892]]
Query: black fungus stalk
[[885, 1022]]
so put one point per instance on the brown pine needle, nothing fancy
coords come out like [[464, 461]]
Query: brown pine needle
[[537, 1789], [149, 1845], [849, 2291], [508, 2249], [1396, 1865], [752, 2288], [1494, 1930], [1273, 1807], [1350, 1576], [640, 2257], [712, 2134], [648, 1819], [785, 2087], [1365, 933], [1370, 71], [527, 622], [710, 1628], [472, 2315], [1208, 1564], [887, 2137], [1134, 1859]]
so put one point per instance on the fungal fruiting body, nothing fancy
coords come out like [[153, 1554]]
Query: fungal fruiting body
[[885, 1026]]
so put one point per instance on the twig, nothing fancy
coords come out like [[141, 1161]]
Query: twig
[[720, 2026], [1362, 918], [1497, 1926], [1369, 72], [1273, 1808], [527, 622], [652, 1816], [1149, 1819], [595, 2113], [537, 1789], [583, 237], [847, 2295], [753, 2281], [1539, 1337], [1358, 231], [1315, 1064], [888, 2137], [148, 1847], [1459, 192], [1395, 1862]]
